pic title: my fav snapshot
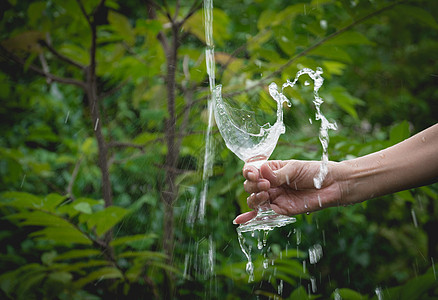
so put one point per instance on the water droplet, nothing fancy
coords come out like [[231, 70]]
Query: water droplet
[[306, 83], [313, 283], [414, 218], [379, 293], [315, 253], [259, 244], [298, 236], [280, 287], [423, 139], [265, 263], [96, 124], [336, 294]]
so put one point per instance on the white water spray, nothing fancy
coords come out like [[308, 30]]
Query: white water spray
[[210, 63], [325, 124]]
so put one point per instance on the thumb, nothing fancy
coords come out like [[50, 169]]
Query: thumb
[[274, 172]]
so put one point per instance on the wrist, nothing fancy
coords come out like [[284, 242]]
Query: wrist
[[356, 181]]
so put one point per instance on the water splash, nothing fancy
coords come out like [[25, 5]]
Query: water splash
[[325, 124], [247, 252], [210, 64]]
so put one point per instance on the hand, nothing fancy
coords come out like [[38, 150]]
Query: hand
[[289, 187]]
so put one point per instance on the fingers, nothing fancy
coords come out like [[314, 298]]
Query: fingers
[[245, 217], [255, 199], [255, 187], [250, 172], [293, 173]]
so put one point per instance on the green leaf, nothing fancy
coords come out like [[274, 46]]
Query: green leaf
[[83, 207], [419, 14], [350, 38], [122, 26], [121, 241], [98, 275], [71, 211], [334, 67], [51, 202], [40, 218], [348, 294], [406, 196], [220, 26], [61, 235], [35, 11], [149, 255], [345, 100], [299, 293], [27, 41], [105, 219], [399, 132], [77, 253], [82, 267], [285, 39], [42, 134], [89, 147], [48, 257], [21, 200], [60, 277], [75, 53], [332, 52]]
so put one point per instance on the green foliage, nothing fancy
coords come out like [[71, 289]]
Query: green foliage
[[74, 231], [61, 240]]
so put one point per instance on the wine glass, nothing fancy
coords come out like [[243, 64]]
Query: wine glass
[[253, 144]]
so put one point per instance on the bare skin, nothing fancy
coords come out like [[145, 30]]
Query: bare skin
[[288, 185]]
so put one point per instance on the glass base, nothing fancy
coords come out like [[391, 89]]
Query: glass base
[[266, 220]]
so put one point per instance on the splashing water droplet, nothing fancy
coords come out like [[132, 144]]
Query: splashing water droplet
[[280, 287], [414, 218], [315, 254], [379, 293], [298, 236], [313, 284], [265, 263], [337, 295]]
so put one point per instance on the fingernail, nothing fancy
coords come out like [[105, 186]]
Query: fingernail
[[251, 176], [264, 186]]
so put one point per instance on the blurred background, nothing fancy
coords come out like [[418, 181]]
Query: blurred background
[[104, 116]]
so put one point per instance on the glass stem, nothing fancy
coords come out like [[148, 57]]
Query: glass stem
[[264, 206]]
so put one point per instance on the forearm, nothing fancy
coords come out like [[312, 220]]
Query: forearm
[[409, 164]]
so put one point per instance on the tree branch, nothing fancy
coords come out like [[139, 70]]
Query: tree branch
[[60, 56], [175, 15], [73, 178], [84, 12], [40, 71], [152, 15], [115, 144], [196, 5]]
